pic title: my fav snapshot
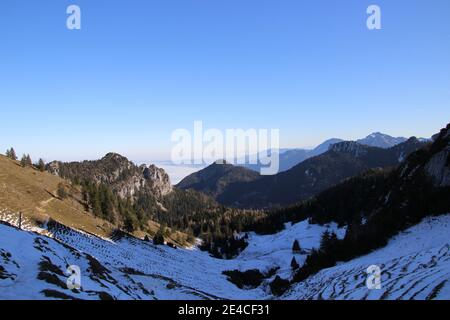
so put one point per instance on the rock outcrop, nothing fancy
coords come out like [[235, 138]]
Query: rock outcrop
[[122, 175], [438, 167]]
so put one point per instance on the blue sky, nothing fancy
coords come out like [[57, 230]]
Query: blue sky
[[139, 69]]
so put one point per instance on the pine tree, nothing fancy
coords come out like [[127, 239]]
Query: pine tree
[[62, 193], [28, 161], [41, 165], [325, 241], [328, 241], [296, 247], [107, 204], [24, 161], [159, 236], [84, 193], [130, 224], [294, 264], [96, 204], [11, 154]]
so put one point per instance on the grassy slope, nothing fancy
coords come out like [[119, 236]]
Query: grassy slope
[[33, 193]]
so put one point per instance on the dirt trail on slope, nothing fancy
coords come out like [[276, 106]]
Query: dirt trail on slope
[[43, 204]]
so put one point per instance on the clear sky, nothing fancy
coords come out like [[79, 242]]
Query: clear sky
[[139, 69]]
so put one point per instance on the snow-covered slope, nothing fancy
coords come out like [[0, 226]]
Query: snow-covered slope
[[265, 252], [416, 264], [126, 268], [129, 268]]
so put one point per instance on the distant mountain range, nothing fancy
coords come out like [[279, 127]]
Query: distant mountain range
[[306, 179], [289, 158]]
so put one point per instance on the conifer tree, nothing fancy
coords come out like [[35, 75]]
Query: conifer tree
[[24, 161], [296, 247], [325, 240], [294, 264], [328, 241], [130, 224], [96, 203], [62, 193], [41, 165], [159, 236], [11, 154]]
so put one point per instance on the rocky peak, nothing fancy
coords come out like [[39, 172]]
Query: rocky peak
[[116, 171], [381, 140], [115, 157]]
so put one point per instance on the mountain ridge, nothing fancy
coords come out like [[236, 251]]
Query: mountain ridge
[[34, 193], [118, 172], [342, 160], [289, 158], [381, 140], [213, 179]]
